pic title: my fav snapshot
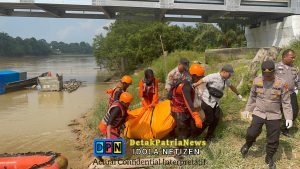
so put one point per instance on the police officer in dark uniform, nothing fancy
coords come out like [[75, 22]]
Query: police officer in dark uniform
[[290, 73], [268, 94]]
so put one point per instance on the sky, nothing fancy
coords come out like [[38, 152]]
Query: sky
[[54, 29]]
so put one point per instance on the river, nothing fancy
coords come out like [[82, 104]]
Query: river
[[38, 121]]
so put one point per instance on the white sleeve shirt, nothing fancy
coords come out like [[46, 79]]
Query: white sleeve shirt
[[214, 80]]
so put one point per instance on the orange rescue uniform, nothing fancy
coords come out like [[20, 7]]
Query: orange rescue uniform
[[149, 93]]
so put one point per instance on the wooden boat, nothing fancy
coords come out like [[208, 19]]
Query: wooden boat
[[13, 86]]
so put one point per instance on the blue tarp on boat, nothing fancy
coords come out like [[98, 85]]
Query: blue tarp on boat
[[7, 76]]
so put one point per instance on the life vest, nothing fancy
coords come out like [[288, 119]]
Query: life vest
[[112, 93], [178, 103], [117, 121], [148, 89]]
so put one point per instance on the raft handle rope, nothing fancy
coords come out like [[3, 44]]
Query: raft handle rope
[[50, 162]]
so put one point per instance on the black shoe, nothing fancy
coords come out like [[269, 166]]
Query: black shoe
[[270, 163], [209, 138], [286, 133], [179, 157], [244, 150]]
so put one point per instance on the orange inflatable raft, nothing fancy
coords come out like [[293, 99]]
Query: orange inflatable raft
[[38, 160]]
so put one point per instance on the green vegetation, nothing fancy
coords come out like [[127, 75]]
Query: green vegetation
[[98, 114], [10, 46], [128, 44], [72, 48]]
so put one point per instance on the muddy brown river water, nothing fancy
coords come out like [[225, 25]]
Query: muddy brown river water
[[38, 121]]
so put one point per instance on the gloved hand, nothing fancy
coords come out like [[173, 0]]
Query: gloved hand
[[240, 97], [109, 91], [195, 84], [152, 105], [288, 123], [296, 90], [246, 114], [198, 121]]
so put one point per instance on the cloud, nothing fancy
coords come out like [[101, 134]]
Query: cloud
[[85, 30], [95, 27], [64, 33], [87, 25]]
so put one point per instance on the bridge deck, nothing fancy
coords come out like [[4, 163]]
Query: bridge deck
[[249, 11]]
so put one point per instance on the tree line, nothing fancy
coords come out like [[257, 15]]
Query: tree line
[[128, 44], [10, 46]]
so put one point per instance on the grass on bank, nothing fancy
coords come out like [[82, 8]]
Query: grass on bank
[[230, 134]]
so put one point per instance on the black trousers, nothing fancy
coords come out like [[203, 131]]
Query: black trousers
[[273, 133], [185, 124], [295, 108], [212, 118]]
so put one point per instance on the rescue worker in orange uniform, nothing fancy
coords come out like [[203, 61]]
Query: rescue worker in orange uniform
[[182, 107], [115, 117], [149, 89], [114, 94]]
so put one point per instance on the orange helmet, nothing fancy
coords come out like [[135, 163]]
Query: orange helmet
[[126, 79], [126, 97], [197, 69]]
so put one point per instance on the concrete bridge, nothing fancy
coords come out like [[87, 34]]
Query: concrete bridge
[[271, 22], [212, 11]]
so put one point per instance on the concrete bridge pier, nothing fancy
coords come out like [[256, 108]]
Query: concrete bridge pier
[[274, 33]]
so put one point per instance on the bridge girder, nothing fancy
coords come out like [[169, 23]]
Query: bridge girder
[[51, 10], [248, 11]]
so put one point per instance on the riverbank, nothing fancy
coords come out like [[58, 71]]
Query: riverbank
[[84, 136], [223, 152], [85, 129]]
